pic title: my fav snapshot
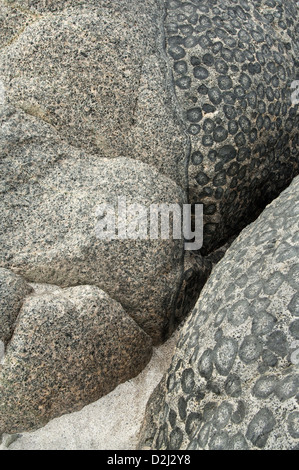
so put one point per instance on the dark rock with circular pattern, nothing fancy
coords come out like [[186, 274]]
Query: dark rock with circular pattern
[[246, 371], [240, 59]]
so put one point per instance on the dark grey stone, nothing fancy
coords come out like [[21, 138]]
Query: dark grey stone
[[225, 353], [288, 387], [233, 386], [293, 424], [205, 364], [264, 386], [260, 428], [222, 415], [277, 342], [250, 349]]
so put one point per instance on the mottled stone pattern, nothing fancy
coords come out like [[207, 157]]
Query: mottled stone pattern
[[155, 101], [96, 72], [12, 22], [233, 65], [69, 348], [233, 382], [84, 88], [13, 290], [79, 89], [51, 237]]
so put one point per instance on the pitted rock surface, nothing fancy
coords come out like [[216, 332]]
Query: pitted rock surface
[[233, 382]]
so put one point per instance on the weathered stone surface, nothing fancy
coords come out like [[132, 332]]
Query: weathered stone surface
[[69, 348], [92, 107], [233, 382], [233, 64], [12, 22], [98, 75], [48, 227], [80, 77], [13, 290]]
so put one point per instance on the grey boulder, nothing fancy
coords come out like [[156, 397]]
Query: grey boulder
[[233, 382], [69, 348], [233, 65]]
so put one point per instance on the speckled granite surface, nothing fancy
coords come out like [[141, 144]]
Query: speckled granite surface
[[69, 348]]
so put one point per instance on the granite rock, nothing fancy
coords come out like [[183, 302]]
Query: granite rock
[[233, 382], [13, 290], [157, 101], [233, 65], [12, 22], [97, 73], [49, 226], [69, 348]]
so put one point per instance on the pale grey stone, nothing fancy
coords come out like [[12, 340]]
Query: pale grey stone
[[67, 351]]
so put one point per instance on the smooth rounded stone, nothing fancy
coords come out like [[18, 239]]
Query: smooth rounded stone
[[245, 81], [238, 442], [101, 87], [67, 351], [60, 242], [250, 349], [246, 371], [13, 290], [233, 386]]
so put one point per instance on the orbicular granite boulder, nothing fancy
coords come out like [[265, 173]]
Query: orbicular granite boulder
[[69, 348], [233, 64], [13, 290], [233, 382]]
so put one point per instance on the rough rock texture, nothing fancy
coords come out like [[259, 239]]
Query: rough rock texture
[[68, 350], [80, 78], [52, 239], [233, 64], [111, 423], [233, 382], [12, 22], [13, 290], [97, 74]]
